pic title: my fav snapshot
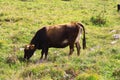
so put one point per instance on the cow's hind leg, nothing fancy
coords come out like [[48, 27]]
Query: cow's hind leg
[[78, 48], [71, 49]]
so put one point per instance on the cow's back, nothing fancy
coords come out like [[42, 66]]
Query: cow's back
[[61, 35]]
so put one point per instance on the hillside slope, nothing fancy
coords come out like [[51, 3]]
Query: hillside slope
[[20, 19]]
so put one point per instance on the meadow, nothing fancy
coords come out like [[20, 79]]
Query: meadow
[[20, 19]]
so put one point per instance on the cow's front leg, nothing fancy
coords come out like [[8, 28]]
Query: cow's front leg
[[42, 52], [46, 53]]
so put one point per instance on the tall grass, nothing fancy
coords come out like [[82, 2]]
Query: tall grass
[[20, 19]]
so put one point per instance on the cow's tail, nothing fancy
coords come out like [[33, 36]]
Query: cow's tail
[[84, 38]]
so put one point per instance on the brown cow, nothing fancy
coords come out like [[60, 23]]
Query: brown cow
[[57, 36]]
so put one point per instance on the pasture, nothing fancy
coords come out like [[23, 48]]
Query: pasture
[[20, 19]]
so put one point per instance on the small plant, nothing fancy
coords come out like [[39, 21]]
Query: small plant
[[98, 20], [12, 59], [116, 74]]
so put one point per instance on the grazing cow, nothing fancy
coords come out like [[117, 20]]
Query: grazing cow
[[58, 36]]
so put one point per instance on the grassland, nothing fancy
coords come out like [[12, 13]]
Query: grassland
[[20, 19]]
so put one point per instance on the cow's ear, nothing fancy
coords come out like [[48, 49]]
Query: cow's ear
[[27, 47], [32, 46]]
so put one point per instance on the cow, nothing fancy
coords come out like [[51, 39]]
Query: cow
[[57, 36]]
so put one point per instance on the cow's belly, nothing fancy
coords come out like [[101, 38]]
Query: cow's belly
[[61, 44]]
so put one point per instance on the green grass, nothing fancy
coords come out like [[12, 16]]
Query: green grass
[[20, 19]]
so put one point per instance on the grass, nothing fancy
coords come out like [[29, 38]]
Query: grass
[[20, 19]]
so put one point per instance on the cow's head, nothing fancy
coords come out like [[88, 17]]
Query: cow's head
[[28, 51]]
